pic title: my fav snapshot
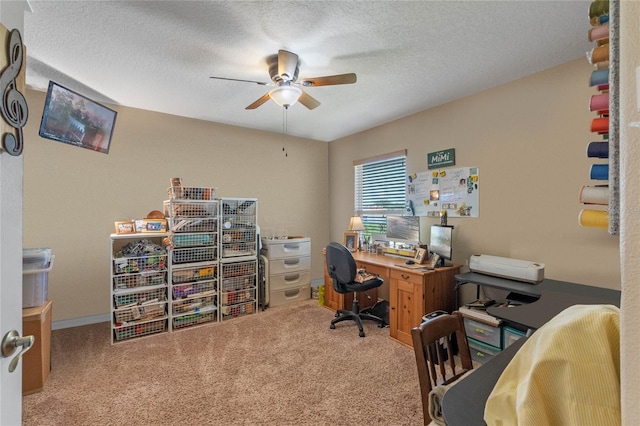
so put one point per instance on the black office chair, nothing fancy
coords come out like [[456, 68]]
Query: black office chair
[[342, 269]]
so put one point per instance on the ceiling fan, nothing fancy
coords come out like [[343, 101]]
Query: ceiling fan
[[283, 70]]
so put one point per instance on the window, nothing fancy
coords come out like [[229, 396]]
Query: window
[[380, 190]]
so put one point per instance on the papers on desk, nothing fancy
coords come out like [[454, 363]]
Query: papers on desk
[[479, 315], [418, 266]]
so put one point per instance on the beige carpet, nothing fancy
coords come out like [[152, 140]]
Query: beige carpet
[[283, 366]]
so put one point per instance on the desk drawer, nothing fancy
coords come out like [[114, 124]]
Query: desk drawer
[[374, 269], [481, 352], [406, 276], [483, 332], [291, 264]]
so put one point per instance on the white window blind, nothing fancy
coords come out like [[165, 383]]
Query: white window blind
[[380, 190]]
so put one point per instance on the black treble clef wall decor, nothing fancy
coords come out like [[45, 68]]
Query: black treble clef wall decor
[[13, 105]]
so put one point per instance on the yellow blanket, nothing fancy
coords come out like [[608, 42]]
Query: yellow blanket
[[567, 373]]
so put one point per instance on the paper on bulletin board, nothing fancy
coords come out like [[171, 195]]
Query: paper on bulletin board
[[454, 190]]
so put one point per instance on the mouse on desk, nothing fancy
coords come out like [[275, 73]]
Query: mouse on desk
[[409, 262]]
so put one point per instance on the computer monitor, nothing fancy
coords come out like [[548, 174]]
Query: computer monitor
[[403, 229], [440, 243]]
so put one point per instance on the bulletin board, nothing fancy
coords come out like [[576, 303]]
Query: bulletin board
[[454, 190]]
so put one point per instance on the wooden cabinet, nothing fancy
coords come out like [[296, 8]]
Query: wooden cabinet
[[36, 363], [405, 304], [335, 300], [411, 293]]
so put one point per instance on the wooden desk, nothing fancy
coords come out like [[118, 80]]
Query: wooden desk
[[464, 402], [412, 292]]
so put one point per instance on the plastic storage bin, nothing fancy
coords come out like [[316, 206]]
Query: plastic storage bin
[[483, 332], [36, 265], [510, 335], [482, 352]]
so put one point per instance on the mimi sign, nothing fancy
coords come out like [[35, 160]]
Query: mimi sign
[[438, 159]]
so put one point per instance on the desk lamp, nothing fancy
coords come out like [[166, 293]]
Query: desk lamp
[[355, 224]]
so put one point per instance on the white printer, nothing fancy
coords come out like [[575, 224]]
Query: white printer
[[514, 269]]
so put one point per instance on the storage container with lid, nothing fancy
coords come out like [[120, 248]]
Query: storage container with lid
[[36, 258], [36, 265]]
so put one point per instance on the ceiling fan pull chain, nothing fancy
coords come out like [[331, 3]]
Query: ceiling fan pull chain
[[284, 130]]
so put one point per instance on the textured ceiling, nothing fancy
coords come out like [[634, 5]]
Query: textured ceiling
[[408, 56]]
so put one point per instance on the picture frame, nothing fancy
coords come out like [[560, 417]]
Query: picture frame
[[127, 227], [154, 225], [421, 255], [433, 260], [74, 119], [350, 241]]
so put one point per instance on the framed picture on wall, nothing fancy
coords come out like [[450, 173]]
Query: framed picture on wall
[[71, 118], [350, 241]]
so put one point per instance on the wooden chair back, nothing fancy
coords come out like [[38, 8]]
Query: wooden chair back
[[435, 343]]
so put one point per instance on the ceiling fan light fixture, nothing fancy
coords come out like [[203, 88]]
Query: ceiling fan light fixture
[[285, 96]]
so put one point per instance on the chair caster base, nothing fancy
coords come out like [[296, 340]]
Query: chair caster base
[[332, 326]]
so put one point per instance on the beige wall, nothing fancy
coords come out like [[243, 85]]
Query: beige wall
[[529, 140], [72, 195]]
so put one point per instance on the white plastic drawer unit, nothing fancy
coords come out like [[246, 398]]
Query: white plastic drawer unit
[[292, 264], [279, 249], [290, 280], [290, 296]]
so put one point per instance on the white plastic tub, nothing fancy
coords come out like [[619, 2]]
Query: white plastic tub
[[35, 285], [36, 258]]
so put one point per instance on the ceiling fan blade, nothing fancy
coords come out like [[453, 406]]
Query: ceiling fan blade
[[329, 80], [259, 102], [243, 81], [308, 101], [287, 65]]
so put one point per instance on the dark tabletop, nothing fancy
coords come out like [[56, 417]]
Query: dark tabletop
[[463, 404]]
